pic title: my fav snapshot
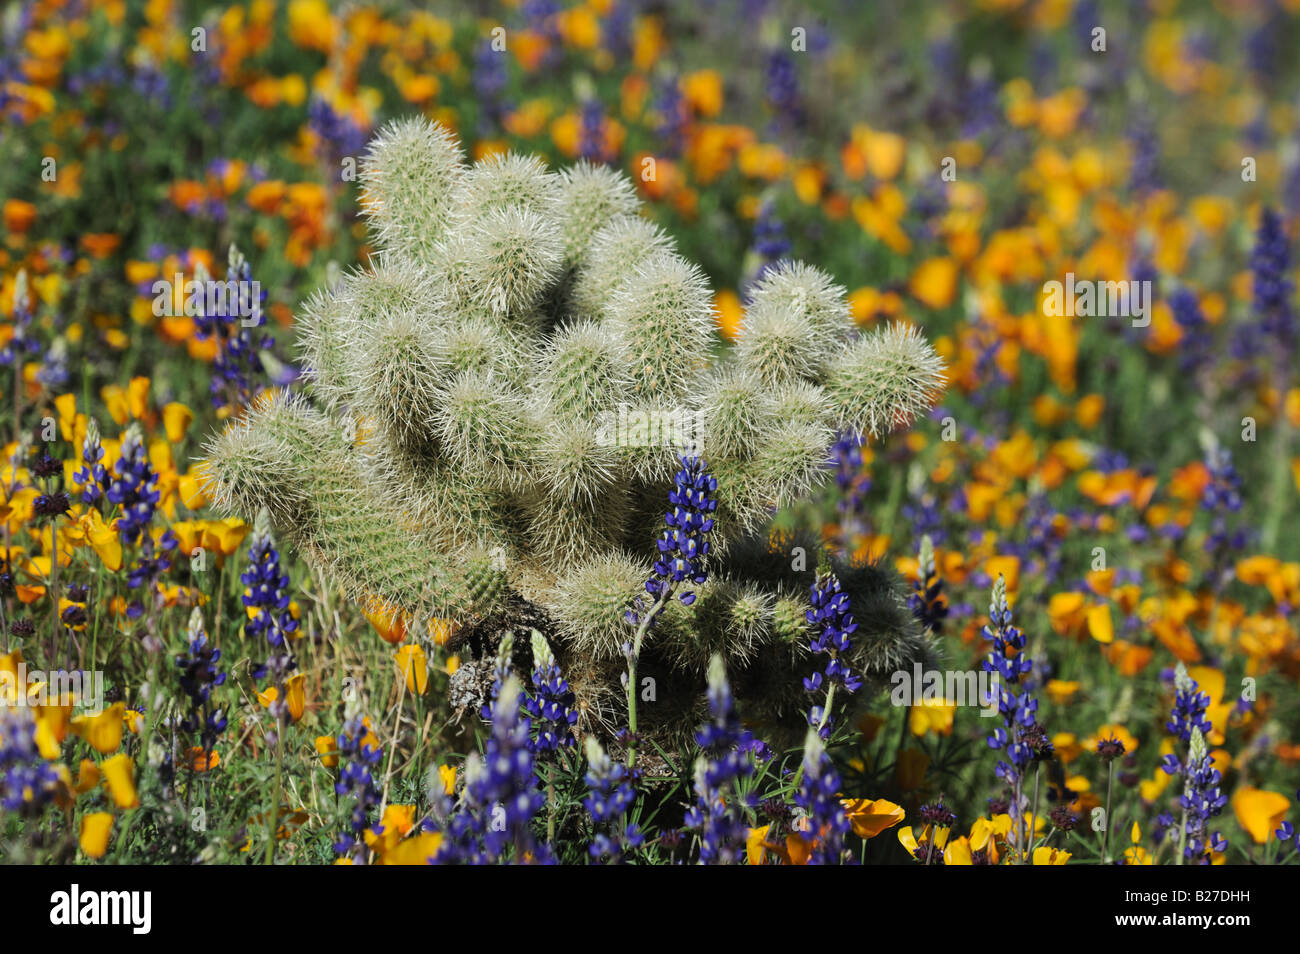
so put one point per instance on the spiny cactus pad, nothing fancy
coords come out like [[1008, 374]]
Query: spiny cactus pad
[[499, 399]]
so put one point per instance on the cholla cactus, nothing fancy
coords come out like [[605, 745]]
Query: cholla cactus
[[501, 398]]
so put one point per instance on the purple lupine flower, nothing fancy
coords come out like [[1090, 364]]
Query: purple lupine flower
[[1194, 346], [500, 673], [591, 133], [771, 246], [819, 797], [926, 208], [988, 369], [673, 117], [717, 813], [781, 88], [980, 109], [616, 29], [133, 487], [550, 706], [53, 372], [267, 595], [854, 482], [200, 673], [1273, 289], [27, 781], [1144, 174], [358, 786], [927, 602], [609, 796], [1287, 832], [924, 513], [1164, 821], [1262, 45], [243, 349], [91, 475], [541, 16], [750, 744], [1041, 548], [1190, 705], [1221, 498], [832, 621], [338, 134], [684, 546], [1201, 798], [267, 588], [21, 343], [493, 821], [770, 239], [152, 84], [489, 79], [1019, 736]]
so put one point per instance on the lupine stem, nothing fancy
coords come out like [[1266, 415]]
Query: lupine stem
[[1038, 770], [826, 708], [1182, 837], [665, 594], [273, 815], [1105, 832]]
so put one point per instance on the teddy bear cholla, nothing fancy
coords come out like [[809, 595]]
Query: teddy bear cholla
[[454, 453]]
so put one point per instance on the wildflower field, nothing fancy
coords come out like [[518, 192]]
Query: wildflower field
[[627, 432]]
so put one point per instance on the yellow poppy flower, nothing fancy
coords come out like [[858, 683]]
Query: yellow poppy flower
[[1061, 691], [328, 750], [1100, 625], [95, 829], [397, 820], [958, 852], [413, 851], [47, 741], [190, 487], [931, 715], [295, 695], [119, 776], [413, 665], [934, 283], [87, 777], [447, 774], [1137, 855], [224, 536], [1043, 855], [311, 26], [102, 732], [1259, 812], [1007, 567], [869, 817], [728, 313], [103, 539], [912, 843], [389, 623]]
